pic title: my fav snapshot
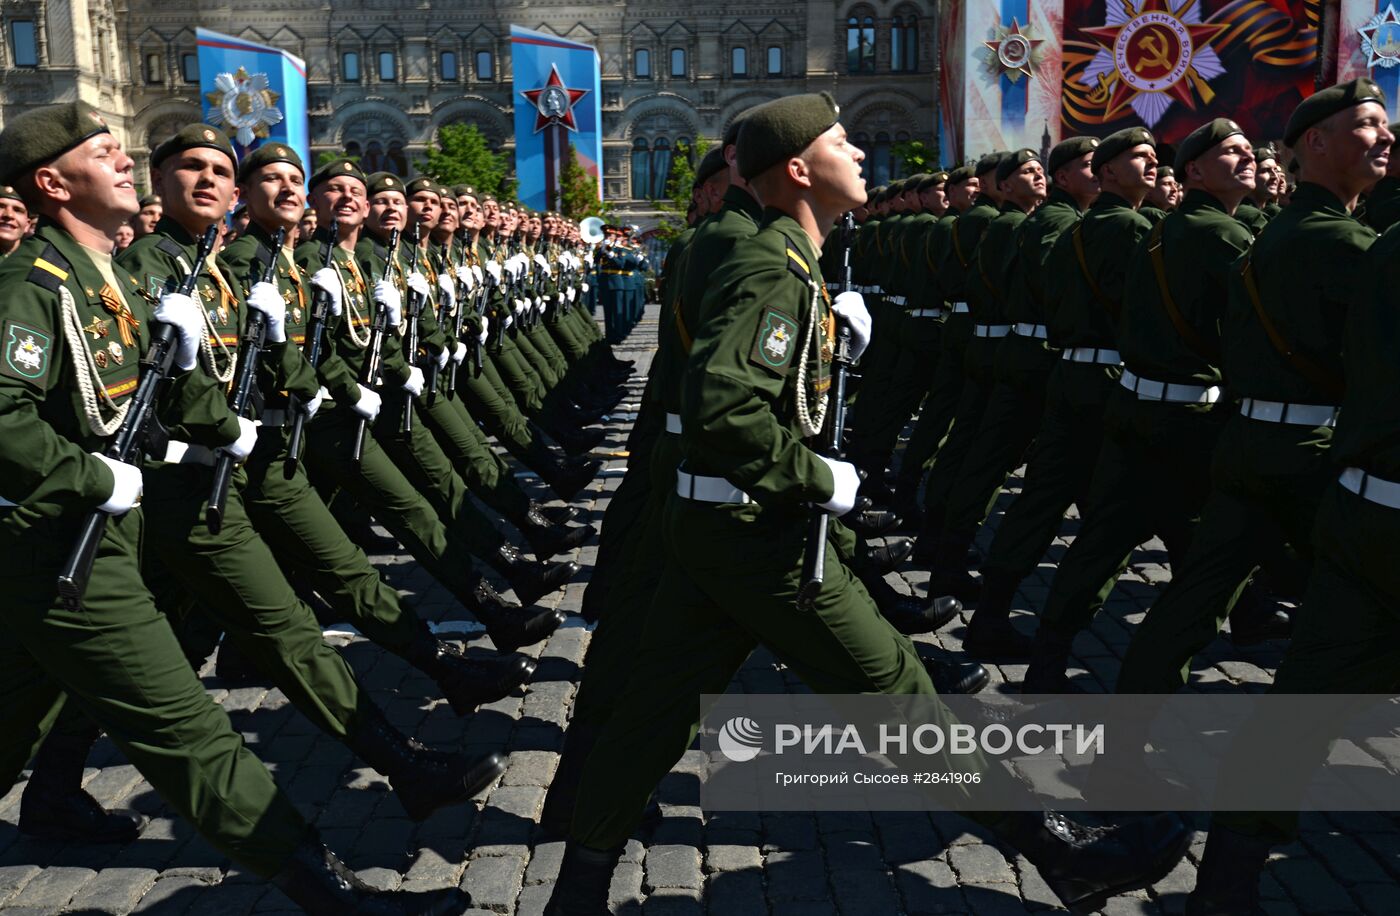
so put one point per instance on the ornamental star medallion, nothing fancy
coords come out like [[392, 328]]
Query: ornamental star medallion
[[1013, 53], [554, 102]]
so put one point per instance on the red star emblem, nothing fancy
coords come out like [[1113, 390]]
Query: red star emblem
[[554, 102], [1155, 51]]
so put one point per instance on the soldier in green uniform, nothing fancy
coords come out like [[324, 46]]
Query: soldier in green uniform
[[1282, 336], [1261, 205], [754, 387], [1153, 471], [114, 655], [1381, 208], [1024, 362], [14, 220], [1165, 195], [1020, 179], [1345, 641]]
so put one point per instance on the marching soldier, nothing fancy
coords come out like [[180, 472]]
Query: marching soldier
[[1381, 208], [1261, 204], [145, 220], [14, 220]]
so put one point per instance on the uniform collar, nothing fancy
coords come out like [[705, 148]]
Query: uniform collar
[[1107, 200], [1197, 199], [1060, 196], [798, 236], [741, 201], [1312, 196], [177, 233]]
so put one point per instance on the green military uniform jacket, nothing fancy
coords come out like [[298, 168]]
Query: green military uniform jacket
[[739, 408], [991, 269], [959, 254], [1368, 430], [1382, 207], [1085, 297], [1252, 216], [1026, 285], [57, 327], [1198, 245]]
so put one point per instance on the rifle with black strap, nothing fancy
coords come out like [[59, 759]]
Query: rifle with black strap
[[315, 328], [374, 351], [412, 311], [73, 576], [814, 556], [455, 338]]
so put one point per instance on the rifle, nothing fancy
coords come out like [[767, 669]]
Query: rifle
[[319, 308], [374, 356], [412, 310], [75, 572], [456, 335], [813, 559], [253, 344]]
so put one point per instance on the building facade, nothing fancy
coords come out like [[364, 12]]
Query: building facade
[[385, 75]]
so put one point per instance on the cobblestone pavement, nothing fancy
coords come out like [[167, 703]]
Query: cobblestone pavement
[[728, 865]]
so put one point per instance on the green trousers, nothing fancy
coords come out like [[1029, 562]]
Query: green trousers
[[116, 657], [878, 361], [1060, 468], [941, 401], [234, 577], [1152, 478], [1008, 426], [1267, 481], [376, 483], [471, 455], [498, 412], [524, 382], [883, 412], [564, 328], [979, 361]]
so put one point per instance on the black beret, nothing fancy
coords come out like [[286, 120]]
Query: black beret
[[421, 184], [933, 180], [1165, 171], [960, 174], [335, 169], [1012, 161], [150, 200], [195, 136], [1066, 151], [1266, 151], [987, 163], [1323, 104], [444, 191], [711, 165], [268, 154], [915, 182], [34, 137], [384, 181], [9, 193], [731, 133], [1120, 141], [778, 130], [1203, 138], [464, 190]]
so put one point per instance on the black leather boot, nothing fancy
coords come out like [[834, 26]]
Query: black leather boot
[[1256, 618], [466, 683], [909, 614], [951, 677], [547, 538], [1085, 866], [1227, 883], [889, 555], [511, 626], [56, 807], [318, 882], [989, 632], [1046, 672], [871, 523], [568, 477], [560, 515], [423, 779], [906, 503], [949, 575], [529, 579], [559, 802], [584, 878], [576, 442]]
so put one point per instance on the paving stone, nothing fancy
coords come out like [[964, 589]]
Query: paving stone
[[493, 883], [863, 892], [175, 895], [720, 858], [798, 875], [980, 865], [15, 877], [54, 887], [114, 890], [672, 866]]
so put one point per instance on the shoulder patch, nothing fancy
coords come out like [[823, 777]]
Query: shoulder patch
[[776, 342], [28, 350], [170, 247], [50, 269], [796, 262], [159, 286]]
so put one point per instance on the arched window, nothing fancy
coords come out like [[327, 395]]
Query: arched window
[[373, 160], [641, 64], [880, 164], [904, 43], [678, 62], [775, 60], [350, 67], [739, 62], [641, 169], [860, 44], [660, 167], [352, 148], [484, 68], [396, 161], [24, 46], [388, 71], [447, 66]]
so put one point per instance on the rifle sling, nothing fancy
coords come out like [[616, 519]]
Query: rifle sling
[[1311, 370], [1077, 236], [1188, 334]]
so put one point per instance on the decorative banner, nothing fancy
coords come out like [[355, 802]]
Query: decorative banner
[[1368, 44], [1000, 81], [558, 93], [254, 93], [1173, 64]]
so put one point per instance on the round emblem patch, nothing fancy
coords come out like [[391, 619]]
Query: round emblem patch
[[1153, 52]]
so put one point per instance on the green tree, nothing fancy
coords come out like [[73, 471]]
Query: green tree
[[679, 182], [463, 155], [326, 157], [579, 197], [917, 156]]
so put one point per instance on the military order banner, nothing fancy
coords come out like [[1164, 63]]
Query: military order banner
[[255, 93], [1171, 64], [1368, 44], [558, 105]]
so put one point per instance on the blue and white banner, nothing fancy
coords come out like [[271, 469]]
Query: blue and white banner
[[558, 106], [254, 93]]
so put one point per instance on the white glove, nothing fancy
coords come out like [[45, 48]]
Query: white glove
[[419, 284], [414, 383], [570, 293], [242, 447], [466, 277], [368, 404], [184, 315], [126, 486], [265, 298], [543, 262], [494, 269], [851, 306], [448, 290], [521, 262], [388, 295], [584, 287], [485, 329], [460, 353], [521, 306], [327, 280], [310, 407], [847, 480], [476, 272], [539, 304], [588, 259], [443, 356], [509, 320]]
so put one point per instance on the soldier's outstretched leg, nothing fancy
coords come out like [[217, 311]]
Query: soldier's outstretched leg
[[54, 805]]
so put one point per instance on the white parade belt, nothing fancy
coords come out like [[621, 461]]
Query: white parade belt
[[1289, 414], [1151, 390], [991, 330], [178, 452], [1099, 355], [673, 424], [960, 308], [709, 489], [1025, 329], [1376, 490], [898, 300], [927, 313]]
